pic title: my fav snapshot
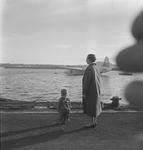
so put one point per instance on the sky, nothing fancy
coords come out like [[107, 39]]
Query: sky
[[64, 31]]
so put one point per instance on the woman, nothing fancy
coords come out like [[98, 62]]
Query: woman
[[91, 90]]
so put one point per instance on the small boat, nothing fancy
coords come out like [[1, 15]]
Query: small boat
[[75, 71], [125, 73]]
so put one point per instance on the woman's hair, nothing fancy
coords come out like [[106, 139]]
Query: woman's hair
[[63, 92], [91, 57]]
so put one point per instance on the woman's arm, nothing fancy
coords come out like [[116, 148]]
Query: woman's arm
[[86, 81]]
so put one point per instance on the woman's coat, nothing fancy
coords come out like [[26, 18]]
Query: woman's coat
[[91, 88]]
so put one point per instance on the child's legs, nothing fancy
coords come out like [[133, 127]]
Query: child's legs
[[61, 117], [65, 116]]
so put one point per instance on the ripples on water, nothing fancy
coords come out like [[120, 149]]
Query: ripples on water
[[45, 84]]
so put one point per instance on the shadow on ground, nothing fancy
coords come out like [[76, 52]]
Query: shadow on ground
[[35, 139], [32, 131], [27, 130]]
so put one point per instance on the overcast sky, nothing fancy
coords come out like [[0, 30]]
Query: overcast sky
[[64, 31]]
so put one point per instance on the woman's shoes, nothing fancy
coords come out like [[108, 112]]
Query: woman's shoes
[[90, 125]]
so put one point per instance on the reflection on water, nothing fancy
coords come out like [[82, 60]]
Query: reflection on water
[[45, 84]]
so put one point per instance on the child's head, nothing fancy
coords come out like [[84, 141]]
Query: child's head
[[63, 92]]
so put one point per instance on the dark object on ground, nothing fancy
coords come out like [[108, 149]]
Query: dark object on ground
[[113, 105]]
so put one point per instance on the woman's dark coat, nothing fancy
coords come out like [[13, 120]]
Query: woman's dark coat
[[91, 88]]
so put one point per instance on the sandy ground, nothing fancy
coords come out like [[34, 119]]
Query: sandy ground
[[40, 131]]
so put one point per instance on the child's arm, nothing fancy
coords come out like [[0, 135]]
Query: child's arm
[[69, 102]]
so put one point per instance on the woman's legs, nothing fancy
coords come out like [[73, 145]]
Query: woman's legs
[[93, 123], [94, 120]]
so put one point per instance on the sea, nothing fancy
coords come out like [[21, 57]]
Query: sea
[[45, 84]]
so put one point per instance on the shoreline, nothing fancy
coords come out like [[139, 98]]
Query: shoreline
[[72, 112], [75, 111], [8, 105]]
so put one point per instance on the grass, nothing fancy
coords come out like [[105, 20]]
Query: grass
[[39, 131]]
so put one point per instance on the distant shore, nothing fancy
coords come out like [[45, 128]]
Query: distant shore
[[36, 66], [16, 105]]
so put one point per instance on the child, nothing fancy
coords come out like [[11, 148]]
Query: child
[[64, 107]]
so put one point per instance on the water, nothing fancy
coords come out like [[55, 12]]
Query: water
[[45, 84]]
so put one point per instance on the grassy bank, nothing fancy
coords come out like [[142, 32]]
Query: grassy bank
[[39, 131]]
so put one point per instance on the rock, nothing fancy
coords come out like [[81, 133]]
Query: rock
[[137, 27], [134, 94], [131, 59]]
